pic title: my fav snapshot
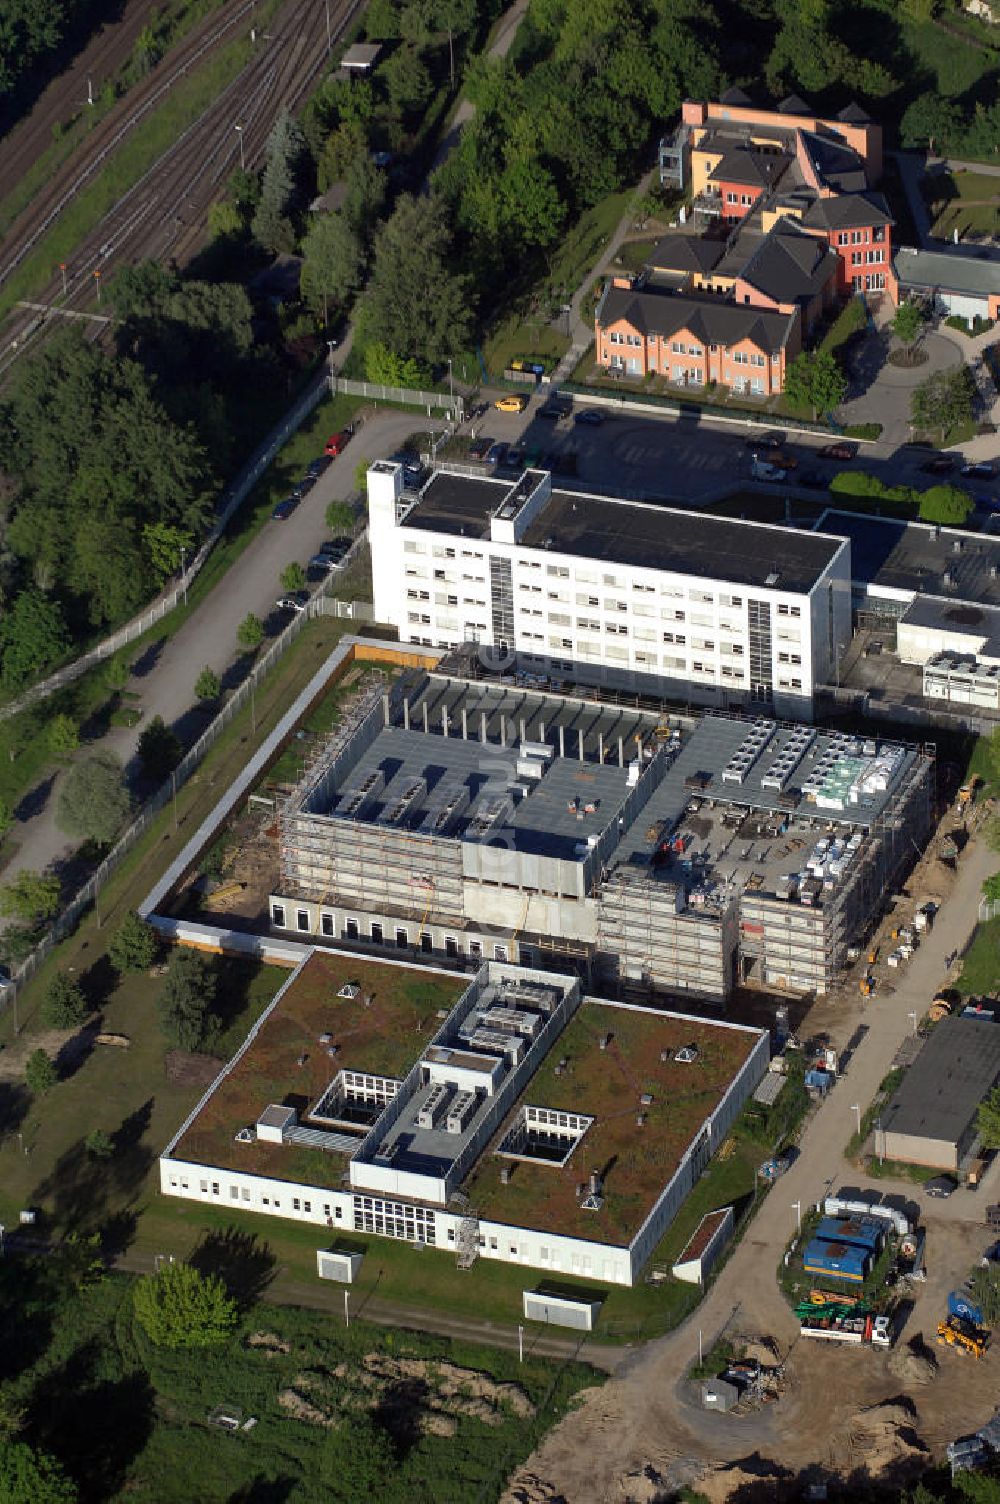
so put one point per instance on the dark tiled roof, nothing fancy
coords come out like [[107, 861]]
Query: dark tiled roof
[[756, 169], [789, 265], [710, 320], [839, 166], [735, 96], [939, 1095], [953, 271], [794, 105], [853, 114], [686, 253], [849, 210]]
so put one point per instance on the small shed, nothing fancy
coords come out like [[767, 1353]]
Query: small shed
[[579, 1312], [340, 1264], [719, 1394], [706, 1243], [361, 57]]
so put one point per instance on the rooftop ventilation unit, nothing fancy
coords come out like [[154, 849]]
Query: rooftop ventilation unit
[[461, 1112], [355, 799], [349, 991], [489, 813], [687, 1054], [400, 807], [434, 1105], [748, 751], [442, 815], [493, 1041], [790, 754], [511, 1021]]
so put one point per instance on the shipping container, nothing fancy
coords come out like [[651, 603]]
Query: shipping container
[[856, 1231], [836, 1260]]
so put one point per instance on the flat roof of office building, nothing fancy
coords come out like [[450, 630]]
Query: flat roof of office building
[[636, 1162], [938, 1097], [915, 557], [381, 1031], [753, 554]]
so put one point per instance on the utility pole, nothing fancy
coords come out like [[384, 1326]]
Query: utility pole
[[239, 130], [62, 268]]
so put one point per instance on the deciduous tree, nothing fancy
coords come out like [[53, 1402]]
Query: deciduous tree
[[180, 1308], [988, 1119], [159, 749], [293, 578], [31, 896], [332, 263], [417, 306], [250, 632], [33, 637], [93, 802], [207, 685], [29, 1475], [947, 505], [909, 320]]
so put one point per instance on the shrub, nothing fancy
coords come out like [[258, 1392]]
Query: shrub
[[159, 749], [98, 1144], [207, 686], [64, 1006], [93, 802], [40, 1074], [186, 1001], [133, 947]]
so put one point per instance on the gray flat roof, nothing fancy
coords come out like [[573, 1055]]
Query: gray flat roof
[[743, 553], [952, 616], [915, 556], [939, 1095], [706, 752], [635, 533], [952, 271]]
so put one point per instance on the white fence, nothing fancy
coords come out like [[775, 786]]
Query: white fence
[[232, 498], [407, 396], [89, 893]]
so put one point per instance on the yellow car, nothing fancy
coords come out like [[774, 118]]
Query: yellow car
[[511, 404]]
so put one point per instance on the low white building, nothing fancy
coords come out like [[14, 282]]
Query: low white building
[[492, 1153], [594, 590]]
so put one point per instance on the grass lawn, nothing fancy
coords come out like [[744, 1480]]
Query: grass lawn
[[337, 1417], [981, 965], [635, 253], [523, 337], [955, 66]]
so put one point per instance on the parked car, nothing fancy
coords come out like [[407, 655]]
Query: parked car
[[514, 403], [557, 406], [297, 601], [762, 470], [515, 457], [814, 479], [497, 453], [412, 468], [783, 458], [317, 466], [285, 508], [981, 470], [589, 417], [940, 1186], [305, 485], [480, 448], [772, 440], [336, 443], [943, 465], [842, 450]]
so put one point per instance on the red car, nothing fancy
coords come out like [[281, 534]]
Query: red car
[[335, 444]]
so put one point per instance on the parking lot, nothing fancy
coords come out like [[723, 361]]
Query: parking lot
[[695, 458]]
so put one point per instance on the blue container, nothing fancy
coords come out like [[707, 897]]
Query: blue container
[[859, 1233], [836, 1260], [965, 1309]]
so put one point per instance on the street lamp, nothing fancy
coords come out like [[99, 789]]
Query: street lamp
[[451, 387], [183, 580], [797, 1209], [239, 131], [329, 37], [856, 1109]]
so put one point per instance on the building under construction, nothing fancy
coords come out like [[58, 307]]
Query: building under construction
[[475, 821]]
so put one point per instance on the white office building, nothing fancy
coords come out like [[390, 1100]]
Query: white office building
[[587, 588]]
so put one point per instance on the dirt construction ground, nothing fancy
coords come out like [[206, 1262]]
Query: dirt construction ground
[[644, 1434]]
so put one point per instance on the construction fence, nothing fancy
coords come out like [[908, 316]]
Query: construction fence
[[88, 896], [451, 402]]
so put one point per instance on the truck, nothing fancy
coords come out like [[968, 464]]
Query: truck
[[837, 1323]]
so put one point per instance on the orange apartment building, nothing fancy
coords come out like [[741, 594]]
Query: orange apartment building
[[791, 224]]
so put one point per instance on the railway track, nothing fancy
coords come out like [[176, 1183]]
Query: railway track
[[163, 214]]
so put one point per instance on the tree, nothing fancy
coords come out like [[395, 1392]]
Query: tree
[[332, 263], [31, 1476], [134, 945], [280, 183], [31, 896], [40, 1075], [79, 1257], [339, 517], [250, 632], [186, 1001], [407, 81], [6, 817], [988, 1119], [945, 401], [947, 505], [293, 577], [93, 802], [64, 1005], [417, 305], [358, 1462], [159, 749], [991, 885], [168, 547], [63, 735], [815, 380], [99, 1144], [178, 1307], [207, 685], [32, 637], [908, 321], [386, 368]]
